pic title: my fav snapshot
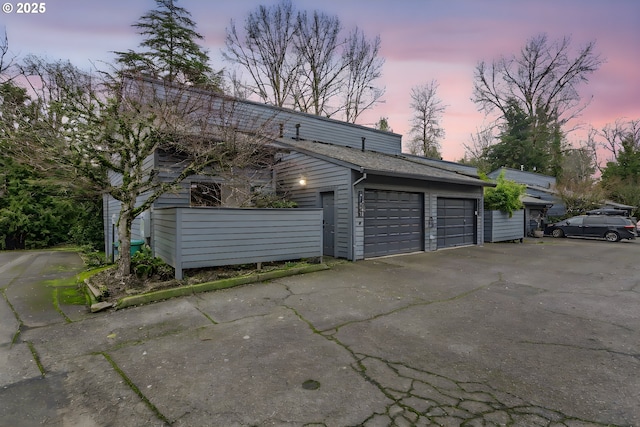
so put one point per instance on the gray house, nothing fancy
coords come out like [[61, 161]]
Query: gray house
[[358, 197], [539, 186], [376, 203], [541, 200]]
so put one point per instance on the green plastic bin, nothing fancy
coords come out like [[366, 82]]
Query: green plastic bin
[[136, 245]]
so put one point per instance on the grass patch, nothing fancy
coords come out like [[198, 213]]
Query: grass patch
[[82, 276], [72, 296]]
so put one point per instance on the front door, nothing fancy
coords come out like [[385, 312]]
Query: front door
[[328, 224]]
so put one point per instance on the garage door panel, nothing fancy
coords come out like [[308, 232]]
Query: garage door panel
[[393, 222], [456, 222]]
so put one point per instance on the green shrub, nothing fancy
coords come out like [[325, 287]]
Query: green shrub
[[505, 196], [145, 265]]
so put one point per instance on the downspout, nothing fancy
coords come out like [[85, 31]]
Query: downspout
[[356, 217], [362, 178]]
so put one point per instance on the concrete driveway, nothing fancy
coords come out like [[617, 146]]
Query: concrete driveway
[[545, 333]]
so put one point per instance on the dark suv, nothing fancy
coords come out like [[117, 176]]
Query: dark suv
[[611, 227]]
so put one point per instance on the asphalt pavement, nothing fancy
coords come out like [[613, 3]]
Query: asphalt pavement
[[543, 333]]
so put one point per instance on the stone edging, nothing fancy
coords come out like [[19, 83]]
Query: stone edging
[[164, 294]]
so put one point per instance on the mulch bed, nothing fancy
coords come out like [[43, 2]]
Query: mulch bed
[[114, 286]]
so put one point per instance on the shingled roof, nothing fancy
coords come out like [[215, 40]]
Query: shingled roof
[[376, 163]]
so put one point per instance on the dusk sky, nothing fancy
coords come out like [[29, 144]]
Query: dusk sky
[[421, 40]]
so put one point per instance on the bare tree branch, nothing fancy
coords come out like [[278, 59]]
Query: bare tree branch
[[320, 72], [544, 78], [425, 123], [264, 51], [363, 68], [298, 60], [6, 62]]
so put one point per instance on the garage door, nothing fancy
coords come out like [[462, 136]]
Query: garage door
[[393, 222], [457, 223]]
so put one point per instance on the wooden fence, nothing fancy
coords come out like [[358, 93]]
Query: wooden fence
[[208, 237]]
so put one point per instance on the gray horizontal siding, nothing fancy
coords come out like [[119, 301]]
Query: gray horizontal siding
[[208, 237], [321, 176], [313, 128], [499, 227], [249, 116], [110, 207], [164, 235]]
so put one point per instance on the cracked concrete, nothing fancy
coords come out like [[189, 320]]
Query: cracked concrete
[[534, 334]]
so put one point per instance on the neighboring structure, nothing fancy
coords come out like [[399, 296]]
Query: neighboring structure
[[375, 200], [502, 227], [608, 204], [541, 199], [535, 213]]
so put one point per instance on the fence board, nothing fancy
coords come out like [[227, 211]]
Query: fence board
[[202, 237]]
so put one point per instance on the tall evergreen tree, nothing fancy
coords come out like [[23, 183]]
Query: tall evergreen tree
[[532, 143], [170, 48]]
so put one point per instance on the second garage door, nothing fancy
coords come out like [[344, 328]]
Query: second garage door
[[456, 222], [393, 222]]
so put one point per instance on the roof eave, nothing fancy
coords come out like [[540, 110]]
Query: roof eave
[[479, 183]]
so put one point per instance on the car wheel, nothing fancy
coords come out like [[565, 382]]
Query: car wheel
[[611, 236], [557, 232]]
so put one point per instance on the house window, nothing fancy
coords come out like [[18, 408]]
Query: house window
[[205, 194]]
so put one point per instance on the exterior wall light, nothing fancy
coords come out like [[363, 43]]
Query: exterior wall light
[[302, 182]]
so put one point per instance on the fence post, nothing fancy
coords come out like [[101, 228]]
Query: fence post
[[178, 248]]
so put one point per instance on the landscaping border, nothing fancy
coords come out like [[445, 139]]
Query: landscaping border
[[163, 294]]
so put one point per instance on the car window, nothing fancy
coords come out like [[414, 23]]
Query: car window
[[594, 220], [577, 221], [616, 221]]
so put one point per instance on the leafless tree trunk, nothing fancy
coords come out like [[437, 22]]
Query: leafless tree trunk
[[317, 44], [425, 123], [363, 67]]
